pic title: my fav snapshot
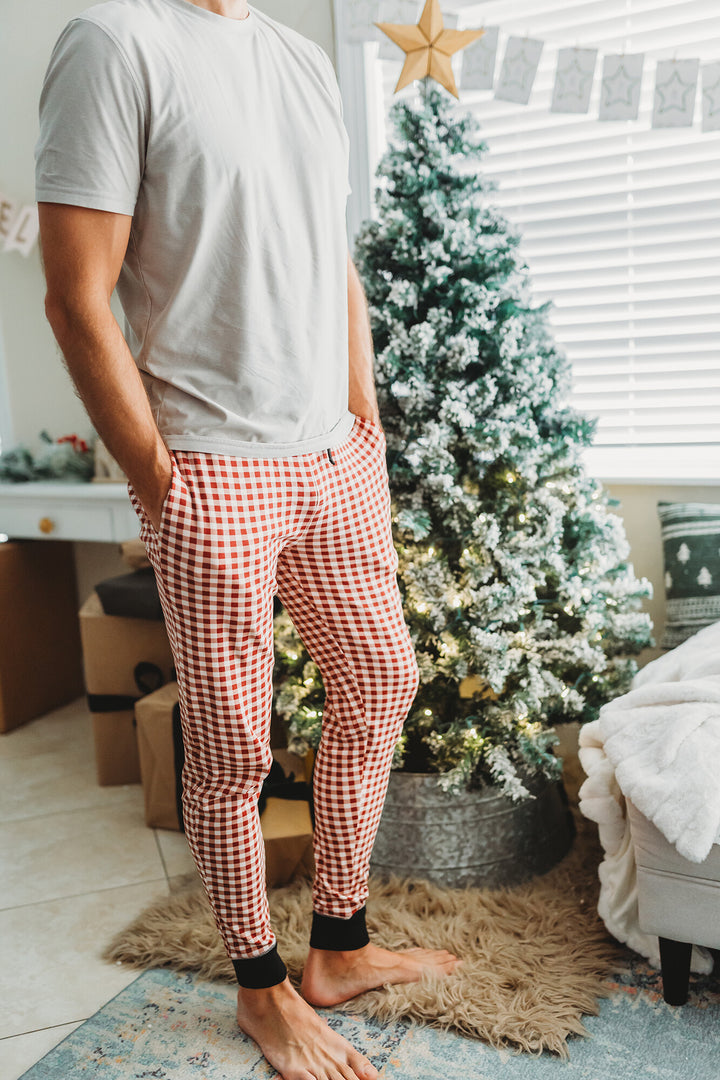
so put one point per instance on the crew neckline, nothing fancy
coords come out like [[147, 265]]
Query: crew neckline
[[223, 22]]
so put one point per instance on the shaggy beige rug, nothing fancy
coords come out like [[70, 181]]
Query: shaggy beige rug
[[535, 956]]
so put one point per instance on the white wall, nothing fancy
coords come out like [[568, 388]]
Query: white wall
[[39, 393], [37, 384]]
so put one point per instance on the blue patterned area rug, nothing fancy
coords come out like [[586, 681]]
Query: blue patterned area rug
[[170, 1026]]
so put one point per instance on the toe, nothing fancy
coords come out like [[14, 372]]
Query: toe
[[362, 1068], [443, 958]]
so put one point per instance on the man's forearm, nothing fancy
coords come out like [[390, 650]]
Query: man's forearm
[[109, 384], [362, 398]]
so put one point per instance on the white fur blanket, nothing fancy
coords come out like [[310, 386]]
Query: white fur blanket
[[658, 745]]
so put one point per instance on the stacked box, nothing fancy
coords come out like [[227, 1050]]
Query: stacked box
[[286, 824], [124, 658]]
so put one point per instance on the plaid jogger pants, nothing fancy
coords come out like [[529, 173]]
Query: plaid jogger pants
[[315, 529]]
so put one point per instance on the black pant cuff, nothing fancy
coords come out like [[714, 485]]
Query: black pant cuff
[[259, 972], [339, 935]]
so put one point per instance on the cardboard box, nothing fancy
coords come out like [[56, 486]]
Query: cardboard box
[[40, 658], [134, 554], [286, 825], [287, 833], [159, 758], [116, 652]]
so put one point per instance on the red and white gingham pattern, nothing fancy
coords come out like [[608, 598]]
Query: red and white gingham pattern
[[235, 531]]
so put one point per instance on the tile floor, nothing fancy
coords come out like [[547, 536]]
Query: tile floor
[[77, 863]]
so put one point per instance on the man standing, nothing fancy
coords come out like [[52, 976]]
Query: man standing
[[193, 154]]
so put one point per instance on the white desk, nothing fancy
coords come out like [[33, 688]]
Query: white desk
[[57, 510]]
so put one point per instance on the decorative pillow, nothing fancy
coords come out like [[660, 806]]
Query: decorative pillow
[[691, 547]]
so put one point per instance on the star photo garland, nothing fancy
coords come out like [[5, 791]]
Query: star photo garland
[[430, 41]]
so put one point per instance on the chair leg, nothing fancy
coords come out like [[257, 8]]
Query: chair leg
[[675, 960]]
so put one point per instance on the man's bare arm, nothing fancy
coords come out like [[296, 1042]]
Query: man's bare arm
[[82, 252], [362, 398]]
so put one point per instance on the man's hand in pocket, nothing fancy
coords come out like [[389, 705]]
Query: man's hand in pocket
[[153, 487]]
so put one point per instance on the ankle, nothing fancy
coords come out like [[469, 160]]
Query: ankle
[[337, 957], [265, 999]]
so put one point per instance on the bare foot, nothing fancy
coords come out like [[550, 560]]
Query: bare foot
[[295, 1040], [332, 977]]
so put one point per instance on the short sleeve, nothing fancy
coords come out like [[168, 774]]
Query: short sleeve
[[91, 147]]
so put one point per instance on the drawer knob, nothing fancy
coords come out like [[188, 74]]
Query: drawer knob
[[46, 525]]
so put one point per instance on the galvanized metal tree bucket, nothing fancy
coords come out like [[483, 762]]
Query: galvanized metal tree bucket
[[478, 838]]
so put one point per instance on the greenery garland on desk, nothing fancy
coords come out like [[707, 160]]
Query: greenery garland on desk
[[67, 458]]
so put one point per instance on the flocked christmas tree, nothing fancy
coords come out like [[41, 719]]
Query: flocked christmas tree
[[522, 608]]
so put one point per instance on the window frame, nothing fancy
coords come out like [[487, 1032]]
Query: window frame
[[361, 88]]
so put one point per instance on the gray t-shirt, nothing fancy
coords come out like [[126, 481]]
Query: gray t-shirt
[[224, 139]]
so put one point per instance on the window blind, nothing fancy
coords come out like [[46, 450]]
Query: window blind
[[620, 225]]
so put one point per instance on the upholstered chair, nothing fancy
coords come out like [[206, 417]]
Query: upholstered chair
[[678, 900]]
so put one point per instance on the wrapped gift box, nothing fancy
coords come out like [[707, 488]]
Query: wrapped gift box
[[123, 659], [40, 659], [286, 824]]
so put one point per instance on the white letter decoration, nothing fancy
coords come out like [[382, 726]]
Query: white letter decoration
[[8, 212], [23, 231]]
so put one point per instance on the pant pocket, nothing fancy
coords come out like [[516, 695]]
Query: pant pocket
[[147, 529], [370, 431]]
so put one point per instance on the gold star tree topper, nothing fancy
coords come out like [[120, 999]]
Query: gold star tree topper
[[428, 47]]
